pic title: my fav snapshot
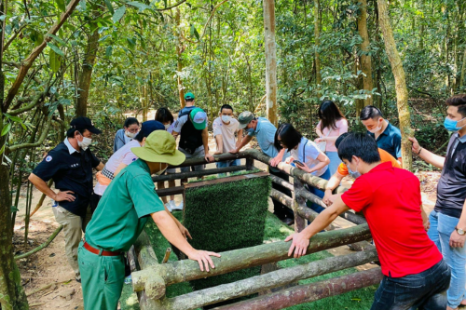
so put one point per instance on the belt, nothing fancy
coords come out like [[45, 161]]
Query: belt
[[88, 247]]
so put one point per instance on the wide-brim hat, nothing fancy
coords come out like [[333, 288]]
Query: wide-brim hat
[[160, 147]]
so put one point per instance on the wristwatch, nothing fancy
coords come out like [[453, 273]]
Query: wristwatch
[[460, 231]]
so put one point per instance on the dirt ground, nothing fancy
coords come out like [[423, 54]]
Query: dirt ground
[[49, 267]]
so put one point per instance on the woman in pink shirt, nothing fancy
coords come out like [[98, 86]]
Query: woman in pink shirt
[[331, 125]]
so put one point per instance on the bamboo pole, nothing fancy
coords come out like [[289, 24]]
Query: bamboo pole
[[310, 292], [298, 203], [274, 279], [42, 246], [187, 270]]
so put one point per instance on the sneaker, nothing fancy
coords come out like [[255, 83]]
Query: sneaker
[[78, 278], [178, 207], [169, 206], [172, 205]]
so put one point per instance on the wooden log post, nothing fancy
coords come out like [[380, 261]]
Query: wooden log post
[[309, 292], [249, 163], [187, 270], [277, 278], [196, 174], [155, 288], [298, 202]]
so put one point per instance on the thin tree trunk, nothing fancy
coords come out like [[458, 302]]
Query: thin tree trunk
[[400, 83], [179, 59], [366, 64], [270, 61], [85, 76], [317, 40], [463, 69]]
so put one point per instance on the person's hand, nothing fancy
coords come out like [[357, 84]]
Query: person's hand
[[304, 167], [218, 153], [456, 240], [184, 231], [328, 198], [299, 244], [209, 157], [289, 160], [426, 224], [318, 140], [65, 196], [415, 147], [234, 151], [203, 258], [274, 162]]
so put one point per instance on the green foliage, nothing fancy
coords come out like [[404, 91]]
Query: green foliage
[[227, 216]]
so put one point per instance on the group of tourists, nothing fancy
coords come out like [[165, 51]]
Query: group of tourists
[[421, 255]]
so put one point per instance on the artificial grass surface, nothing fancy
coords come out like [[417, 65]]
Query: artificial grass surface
[[227, 216]]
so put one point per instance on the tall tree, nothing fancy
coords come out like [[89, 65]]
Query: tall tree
[[400, 83], [317, 40], [364, 48], [270, 61]]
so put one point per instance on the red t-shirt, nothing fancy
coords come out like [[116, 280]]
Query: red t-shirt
[[390, 199]]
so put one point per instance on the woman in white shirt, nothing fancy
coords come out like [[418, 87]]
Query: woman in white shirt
[[313, 160], [331, 125], [127, 134]]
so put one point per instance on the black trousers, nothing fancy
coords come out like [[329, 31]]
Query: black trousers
[[279, 209]]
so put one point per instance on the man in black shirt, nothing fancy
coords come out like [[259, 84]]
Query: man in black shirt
[[70, 166], [448, 219]]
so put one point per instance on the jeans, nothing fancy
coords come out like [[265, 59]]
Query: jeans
[[441, 227], [228, 163], [199, 152], [335, 161], [318, 193], [417, 291]]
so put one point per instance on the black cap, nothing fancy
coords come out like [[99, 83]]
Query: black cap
[[148, 127], [81, 123]]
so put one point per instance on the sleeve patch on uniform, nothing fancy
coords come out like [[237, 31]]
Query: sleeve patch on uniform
[[48, 158]]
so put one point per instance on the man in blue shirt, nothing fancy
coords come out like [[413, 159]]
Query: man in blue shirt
[[387, 136], [70, 166], [264, 131]]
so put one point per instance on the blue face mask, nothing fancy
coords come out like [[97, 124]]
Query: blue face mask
[[450, 124], [354, 174]]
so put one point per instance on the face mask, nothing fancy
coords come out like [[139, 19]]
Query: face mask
[[354, 174], [450, 124], [167, 126], [226, 118], [375, 130], [84, 144], [130, 134]]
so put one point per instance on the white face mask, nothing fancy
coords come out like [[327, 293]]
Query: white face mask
[[130, 134], [376, 130], [167, 126], [84, 144], [226, 118]]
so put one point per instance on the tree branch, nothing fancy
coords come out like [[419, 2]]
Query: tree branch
[[27, 63], [45, 131], [43, 245], [13, 37], [171, 7]]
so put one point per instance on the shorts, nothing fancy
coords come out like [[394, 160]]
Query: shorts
[[199, 152]]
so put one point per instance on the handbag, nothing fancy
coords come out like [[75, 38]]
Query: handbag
[[322, 145]]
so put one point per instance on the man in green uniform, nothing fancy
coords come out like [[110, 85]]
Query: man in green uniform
[[124, 209]]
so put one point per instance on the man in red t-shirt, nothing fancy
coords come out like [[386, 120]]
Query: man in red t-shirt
[[390, 199]]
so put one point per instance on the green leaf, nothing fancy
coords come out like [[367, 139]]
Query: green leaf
[[131, 42], [13, 208], [5, 129], [55, 61], [105, 37], [3, 149], [61, 5], [56, 49], [119, 14], [13, 118], [108, 51], [194, 32], [109, 6], [58, 39], [82, 5], [139, 5]]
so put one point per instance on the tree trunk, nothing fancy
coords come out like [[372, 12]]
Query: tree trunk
[[365, 62], [179, 58], [85, 76], [270, 61], [400, 83], [463, 70], [317, 40]]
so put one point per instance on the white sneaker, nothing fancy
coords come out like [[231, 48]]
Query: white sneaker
[[178, 207], [172, 205], [169, 206]]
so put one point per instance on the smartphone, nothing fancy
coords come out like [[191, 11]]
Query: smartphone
[[297, 162]]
